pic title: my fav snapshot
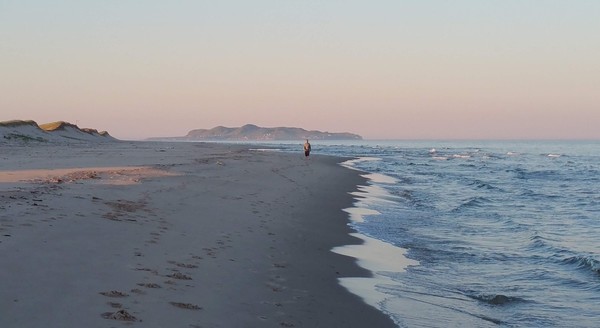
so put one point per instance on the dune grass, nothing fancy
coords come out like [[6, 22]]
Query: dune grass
[[24, 138], [15, 123]]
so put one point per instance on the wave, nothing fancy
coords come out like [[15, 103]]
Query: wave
[[501, 238], [584, 262], [497, 299], [473, 202], [522, 174], [565, 256], [546, 248], [447, 250], [484, 185], [538, 241], [438, 300], [528, 193]]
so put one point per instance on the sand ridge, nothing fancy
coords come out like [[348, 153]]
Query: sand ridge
[[105, 175]]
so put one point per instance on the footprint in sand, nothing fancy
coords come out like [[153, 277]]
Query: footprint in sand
[[138, 291], [275, 287], [180, 276], [183, 265], [210, 252], [154, 272], [149, 285], [120, 315], [114, 293], [187, 306]]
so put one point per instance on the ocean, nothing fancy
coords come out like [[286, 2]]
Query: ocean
[[477, 234]]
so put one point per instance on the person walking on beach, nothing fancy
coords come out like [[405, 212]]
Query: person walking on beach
[[307, 149]]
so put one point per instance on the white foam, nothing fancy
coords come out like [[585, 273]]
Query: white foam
[[372, 194], [461, 156], [380, 178], [265, 149], [378, 257], [357, 214], [351, 164], [374, 255]]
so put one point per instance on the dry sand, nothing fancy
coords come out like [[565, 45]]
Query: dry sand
[[148, 234]]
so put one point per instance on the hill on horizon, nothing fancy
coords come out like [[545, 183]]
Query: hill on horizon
[[251, 132]]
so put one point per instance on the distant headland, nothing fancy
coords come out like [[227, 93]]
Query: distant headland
[[30, 131], [251, 132]]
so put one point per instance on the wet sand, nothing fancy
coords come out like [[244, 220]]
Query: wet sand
[[175, 235]]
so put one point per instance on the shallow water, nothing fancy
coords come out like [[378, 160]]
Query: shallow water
[[503, 233]]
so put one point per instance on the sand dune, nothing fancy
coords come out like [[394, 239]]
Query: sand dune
[[57, 132]]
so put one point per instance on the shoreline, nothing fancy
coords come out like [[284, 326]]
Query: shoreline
[[226, 237], [377, 256]]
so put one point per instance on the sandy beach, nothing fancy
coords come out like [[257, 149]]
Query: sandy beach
[[149, 234]]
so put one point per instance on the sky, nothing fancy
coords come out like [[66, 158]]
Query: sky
[[385, 69]]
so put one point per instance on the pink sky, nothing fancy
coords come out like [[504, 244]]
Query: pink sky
[[387, 69]]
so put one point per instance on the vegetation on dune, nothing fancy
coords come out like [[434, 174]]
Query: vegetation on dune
[[16, 123], [24, 138], [90, 131], [95, 132]]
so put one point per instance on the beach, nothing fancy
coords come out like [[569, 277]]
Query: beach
[[152, 234]]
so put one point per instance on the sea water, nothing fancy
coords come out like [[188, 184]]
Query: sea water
[[489, 233]]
